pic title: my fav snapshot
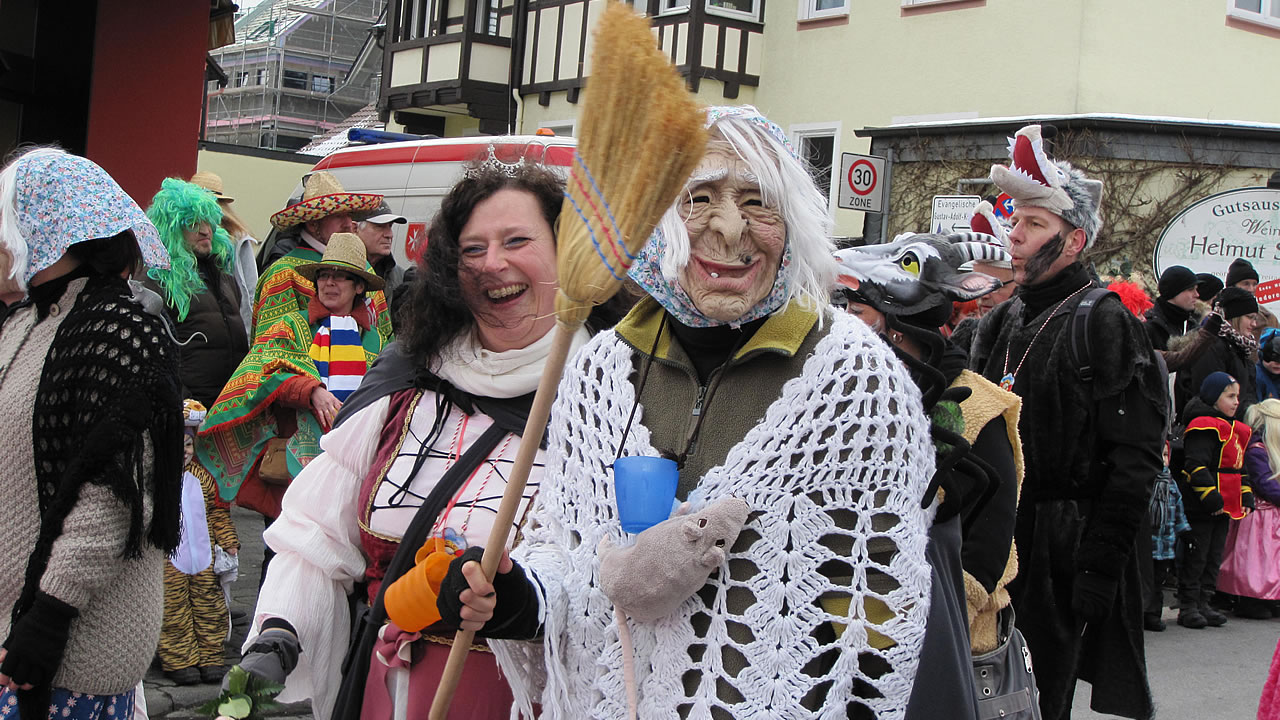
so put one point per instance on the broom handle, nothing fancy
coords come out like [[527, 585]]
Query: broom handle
[[529, 442]]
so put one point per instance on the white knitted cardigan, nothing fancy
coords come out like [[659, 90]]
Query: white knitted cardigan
[[847, 435]]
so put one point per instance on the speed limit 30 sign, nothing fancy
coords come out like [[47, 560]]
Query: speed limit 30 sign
[[861, 182]]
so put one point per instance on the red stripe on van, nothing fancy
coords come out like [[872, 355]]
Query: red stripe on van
[[376, 156], [555, 155]]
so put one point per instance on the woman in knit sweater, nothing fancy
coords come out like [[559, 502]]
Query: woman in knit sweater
[[90, 397]]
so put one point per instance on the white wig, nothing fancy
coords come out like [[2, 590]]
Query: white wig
[[13, 236], [785, 184]]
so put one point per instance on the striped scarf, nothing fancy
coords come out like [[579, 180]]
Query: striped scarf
[[339, 355]]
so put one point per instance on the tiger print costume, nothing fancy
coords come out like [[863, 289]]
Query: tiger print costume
[[195, 610]]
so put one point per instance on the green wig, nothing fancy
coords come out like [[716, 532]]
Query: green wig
[[178, 206]]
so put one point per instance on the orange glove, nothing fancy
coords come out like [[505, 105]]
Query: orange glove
[[411, 600]]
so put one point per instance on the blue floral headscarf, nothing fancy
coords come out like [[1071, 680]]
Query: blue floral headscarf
[[647, 270], [64, 199]]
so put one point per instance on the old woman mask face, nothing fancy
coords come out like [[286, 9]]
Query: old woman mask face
[[736, 241]]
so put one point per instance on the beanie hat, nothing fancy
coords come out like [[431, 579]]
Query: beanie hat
[[1269, 351], [1175, 280], [1036, 180], [1236, 302], [1213, 386], [1241, 269], [1208, 285]]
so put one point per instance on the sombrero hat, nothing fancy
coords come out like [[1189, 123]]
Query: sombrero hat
[[344, 252], [323, 196], [211, 182]]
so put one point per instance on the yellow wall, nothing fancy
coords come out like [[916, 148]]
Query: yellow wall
[[533, 116], [461, 126], [260, 186], [1184, 61], [1174, 58], [997, 58]]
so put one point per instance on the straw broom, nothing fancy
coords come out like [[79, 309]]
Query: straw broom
[[641, 136]]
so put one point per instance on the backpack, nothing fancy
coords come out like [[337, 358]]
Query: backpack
[[1078, 327]]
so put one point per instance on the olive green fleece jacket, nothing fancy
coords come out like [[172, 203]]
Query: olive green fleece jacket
[[740, 392]]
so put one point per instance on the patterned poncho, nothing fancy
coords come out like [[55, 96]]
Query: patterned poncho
[[844, 443], [237, 429]]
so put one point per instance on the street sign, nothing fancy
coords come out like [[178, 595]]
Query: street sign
[[1004, 206], [1212, 232], [862, 181], [951, 213]]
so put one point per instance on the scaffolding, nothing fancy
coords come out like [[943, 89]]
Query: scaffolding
[[297, 69]]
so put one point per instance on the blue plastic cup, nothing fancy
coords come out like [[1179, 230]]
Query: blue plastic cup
[[645, 488]]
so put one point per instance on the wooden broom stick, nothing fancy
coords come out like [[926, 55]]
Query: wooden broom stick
[[641, 136]]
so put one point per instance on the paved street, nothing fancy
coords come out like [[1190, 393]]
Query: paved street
[[166, 700], [1210, 674]]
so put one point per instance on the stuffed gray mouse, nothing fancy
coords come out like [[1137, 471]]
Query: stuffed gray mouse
[[668, 563]]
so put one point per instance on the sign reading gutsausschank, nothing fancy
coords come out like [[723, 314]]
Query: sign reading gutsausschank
[[1210, 233]]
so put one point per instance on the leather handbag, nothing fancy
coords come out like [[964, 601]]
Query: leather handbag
[[1004, 678], [274, 469]]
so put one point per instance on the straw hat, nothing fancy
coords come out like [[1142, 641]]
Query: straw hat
[[345, 252], [323, 196], [212, 183]]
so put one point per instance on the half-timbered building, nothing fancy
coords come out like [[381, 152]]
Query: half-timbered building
[[457, 66]]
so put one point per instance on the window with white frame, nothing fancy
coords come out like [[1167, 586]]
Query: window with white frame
[[672, 6], [819, 146], [414, 20], [748, 9], [816, 9], [1262, 12], [487, 18]]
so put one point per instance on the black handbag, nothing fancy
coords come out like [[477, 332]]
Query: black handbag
[[1005, 681]]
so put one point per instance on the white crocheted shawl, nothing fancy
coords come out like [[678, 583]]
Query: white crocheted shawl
[[847, 435]]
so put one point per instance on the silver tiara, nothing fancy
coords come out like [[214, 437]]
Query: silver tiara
[[492, 163]]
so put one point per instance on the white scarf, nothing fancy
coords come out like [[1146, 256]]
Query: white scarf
[[485, 373]]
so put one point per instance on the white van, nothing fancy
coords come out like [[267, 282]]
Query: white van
[[415, 175]]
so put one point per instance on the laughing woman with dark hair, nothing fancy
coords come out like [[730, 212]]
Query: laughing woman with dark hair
[[90, 398], [419, 454]]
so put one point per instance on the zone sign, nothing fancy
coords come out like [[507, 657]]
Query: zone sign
[[861, 182]]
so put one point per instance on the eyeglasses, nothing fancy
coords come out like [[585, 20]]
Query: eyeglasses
[[334, 275]]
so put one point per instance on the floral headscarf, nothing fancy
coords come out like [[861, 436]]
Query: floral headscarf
[[64, 199], [647, 270]]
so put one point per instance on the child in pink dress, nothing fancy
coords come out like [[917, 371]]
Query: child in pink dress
[[1249, 569]]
